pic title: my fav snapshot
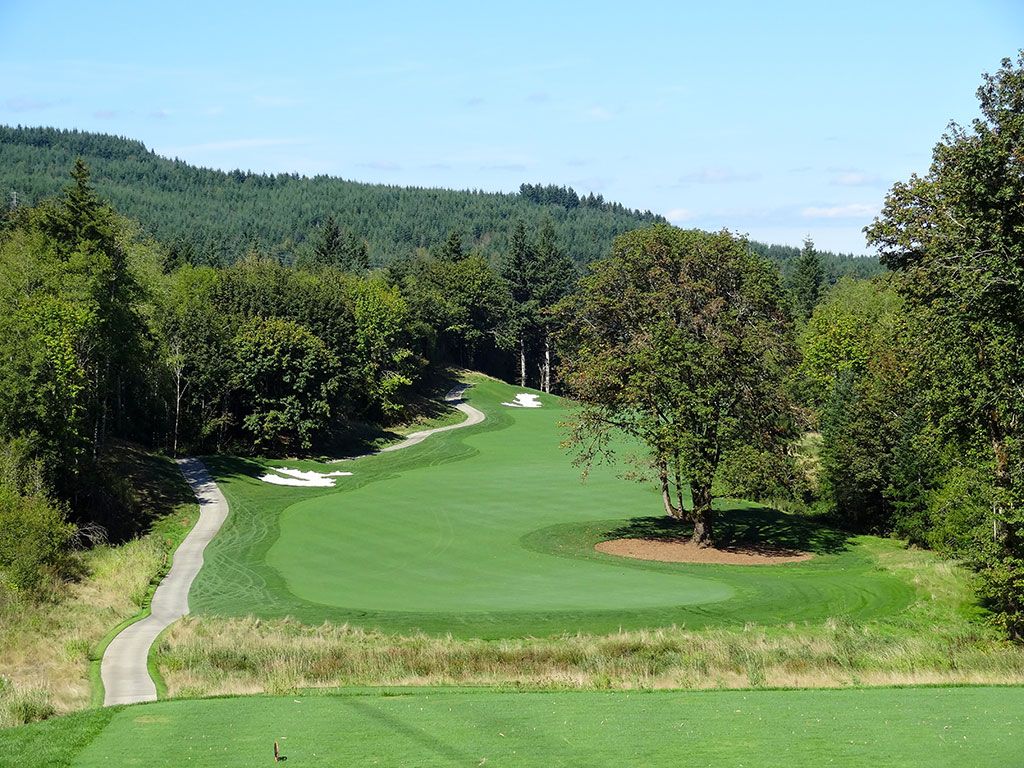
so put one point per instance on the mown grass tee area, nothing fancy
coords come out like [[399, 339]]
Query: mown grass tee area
[[410, 727], [489, 532]]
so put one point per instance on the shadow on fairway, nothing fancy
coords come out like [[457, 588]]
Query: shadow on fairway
[[425, 740], [761, 530], [223, 467]]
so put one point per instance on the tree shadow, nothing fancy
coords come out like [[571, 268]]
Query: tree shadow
[[757, 530], [225, 466]]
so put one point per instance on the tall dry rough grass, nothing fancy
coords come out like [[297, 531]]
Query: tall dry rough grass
[[939, 639], [203, 657], [45, 647]]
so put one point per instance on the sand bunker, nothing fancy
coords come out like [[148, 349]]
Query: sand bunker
[[302, 479], [685, 552], [525, 400]]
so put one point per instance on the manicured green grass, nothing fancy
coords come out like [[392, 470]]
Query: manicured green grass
[[889, 727], [489, 532]]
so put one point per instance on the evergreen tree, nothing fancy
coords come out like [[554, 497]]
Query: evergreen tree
[[807, 279], [517, 269], [451, 251], [552, 279], [329, 245]]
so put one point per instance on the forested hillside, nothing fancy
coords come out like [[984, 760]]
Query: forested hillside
[[214, 218]]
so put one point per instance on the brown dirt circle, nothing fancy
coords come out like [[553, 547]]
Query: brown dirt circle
[[685, 552]]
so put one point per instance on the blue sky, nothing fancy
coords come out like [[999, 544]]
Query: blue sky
[[778, 120]]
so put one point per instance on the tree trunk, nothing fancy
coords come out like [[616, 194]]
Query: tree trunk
[[1003, 484], [522, 361], [547, 362], [177, 409], [703, 516], [666, 493]]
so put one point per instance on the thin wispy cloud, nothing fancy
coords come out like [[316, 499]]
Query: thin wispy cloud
[[599, 114], [717, 175], [105, 114], [539, 97], [27, 104], [855, 179], [473, 102], [381, 165], [850, 211]]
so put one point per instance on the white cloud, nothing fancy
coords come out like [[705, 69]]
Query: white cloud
[[679, 215], [851, 211]]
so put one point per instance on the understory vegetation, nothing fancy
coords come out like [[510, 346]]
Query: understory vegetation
[[50, 644]]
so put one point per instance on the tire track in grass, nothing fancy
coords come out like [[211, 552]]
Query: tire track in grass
[[124, 669]]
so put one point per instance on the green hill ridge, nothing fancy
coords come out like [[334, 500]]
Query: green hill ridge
[[214, 217]]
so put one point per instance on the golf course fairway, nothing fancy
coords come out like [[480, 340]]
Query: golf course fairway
[[489, 532], [854, 728]]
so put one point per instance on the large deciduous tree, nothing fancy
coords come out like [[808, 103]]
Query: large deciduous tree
[[955, 237], [285, 381], [681, 340]]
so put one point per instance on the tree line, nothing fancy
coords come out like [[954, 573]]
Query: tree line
[[208, 217]]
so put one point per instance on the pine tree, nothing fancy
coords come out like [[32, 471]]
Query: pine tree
[[327, 250], [451, 251], [807, 279], [553, 278], [517, 270]]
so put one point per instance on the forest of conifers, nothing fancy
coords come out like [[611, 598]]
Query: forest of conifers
[[904, 391], [213, 218]]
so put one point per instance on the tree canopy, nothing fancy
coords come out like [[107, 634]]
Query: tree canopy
[[681, 340], [955, 238]]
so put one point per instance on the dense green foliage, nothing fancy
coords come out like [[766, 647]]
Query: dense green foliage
[[680, 339], [955, 239], [915, 379], [212, 217]]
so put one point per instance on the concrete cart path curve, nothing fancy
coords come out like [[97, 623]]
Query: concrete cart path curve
[[124, 668], [473, 416], [454, 396]]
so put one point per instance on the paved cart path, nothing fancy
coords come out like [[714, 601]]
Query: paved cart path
[[124, 669]]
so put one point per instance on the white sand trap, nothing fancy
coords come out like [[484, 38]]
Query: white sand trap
[[302, 479], [525, 400]]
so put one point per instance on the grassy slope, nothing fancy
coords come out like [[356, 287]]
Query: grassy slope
[[47, 648], [891, 727], [489, 532]]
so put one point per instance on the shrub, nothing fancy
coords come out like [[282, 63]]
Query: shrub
[[35, 542]]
